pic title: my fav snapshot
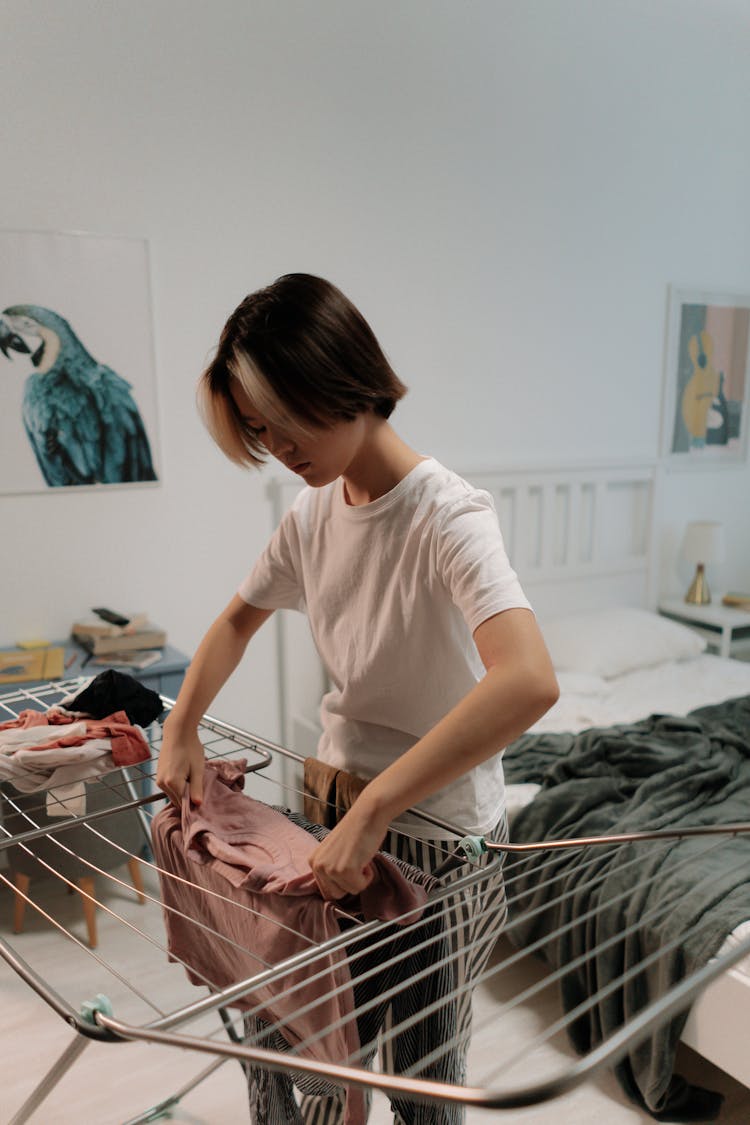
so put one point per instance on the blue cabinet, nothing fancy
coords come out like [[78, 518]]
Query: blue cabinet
[[165, 677]]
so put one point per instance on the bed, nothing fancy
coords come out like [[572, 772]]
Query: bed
[[128, 992], [662, 738], [584, 544]]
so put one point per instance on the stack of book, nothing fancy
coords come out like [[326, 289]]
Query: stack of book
[[737, 600], [119, 640]]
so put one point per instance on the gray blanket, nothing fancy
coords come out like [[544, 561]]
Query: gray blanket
[[658, 773]]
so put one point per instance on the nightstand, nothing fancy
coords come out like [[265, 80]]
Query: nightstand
[[723, 626]]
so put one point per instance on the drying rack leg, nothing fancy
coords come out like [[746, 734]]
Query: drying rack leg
[[50, 1080], [163, 1111]]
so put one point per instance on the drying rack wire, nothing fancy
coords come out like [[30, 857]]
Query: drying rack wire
[[102, 994]]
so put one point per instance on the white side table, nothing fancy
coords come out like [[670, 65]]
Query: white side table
[[721, 625]]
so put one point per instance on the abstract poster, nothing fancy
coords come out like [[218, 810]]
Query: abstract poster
[[706, 379]]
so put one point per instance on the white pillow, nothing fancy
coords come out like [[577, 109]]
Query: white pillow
[[582, 683], [609, 642]]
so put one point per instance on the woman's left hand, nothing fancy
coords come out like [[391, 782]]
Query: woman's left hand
[[342, 863]]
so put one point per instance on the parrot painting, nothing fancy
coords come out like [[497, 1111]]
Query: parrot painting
[[80, 416]]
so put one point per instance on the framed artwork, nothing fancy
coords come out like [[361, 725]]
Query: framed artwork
[[77, 382], [706, 379]]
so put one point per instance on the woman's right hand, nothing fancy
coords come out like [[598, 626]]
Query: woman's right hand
[[181, 763]]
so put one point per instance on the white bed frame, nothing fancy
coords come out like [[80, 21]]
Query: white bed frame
[[580, 537]]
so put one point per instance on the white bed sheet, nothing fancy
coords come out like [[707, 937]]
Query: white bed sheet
[[675, 688]]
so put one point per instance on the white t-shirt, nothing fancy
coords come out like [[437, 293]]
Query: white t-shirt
[[393, 591]]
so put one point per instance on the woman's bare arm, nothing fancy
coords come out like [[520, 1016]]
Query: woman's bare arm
[[517, 689], [181, 759]]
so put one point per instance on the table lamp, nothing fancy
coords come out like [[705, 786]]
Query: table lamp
[[702, 544]]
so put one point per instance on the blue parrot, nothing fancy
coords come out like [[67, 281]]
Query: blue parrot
[[79, 415]]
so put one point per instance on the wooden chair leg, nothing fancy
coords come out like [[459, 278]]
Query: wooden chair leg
[[19, 909], [86, 884], [134, 868]]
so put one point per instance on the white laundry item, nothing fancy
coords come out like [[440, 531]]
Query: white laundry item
[[31, 761]]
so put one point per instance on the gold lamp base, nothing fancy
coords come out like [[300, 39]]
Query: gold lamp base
[[699, 593]]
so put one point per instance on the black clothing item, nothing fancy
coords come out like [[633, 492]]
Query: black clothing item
[[117, 691]]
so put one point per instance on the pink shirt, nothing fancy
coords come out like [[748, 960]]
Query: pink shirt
[[254, 857]]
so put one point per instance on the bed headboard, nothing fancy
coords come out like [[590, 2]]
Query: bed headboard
[[579, 537]]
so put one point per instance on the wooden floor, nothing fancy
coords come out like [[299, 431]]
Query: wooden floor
[[111, 1084]]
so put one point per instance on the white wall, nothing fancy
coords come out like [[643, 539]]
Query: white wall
[[505, 188]]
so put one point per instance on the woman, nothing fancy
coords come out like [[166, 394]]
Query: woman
[[432, 649]]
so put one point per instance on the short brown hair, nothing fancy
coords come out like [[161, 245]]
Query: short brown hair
[[299, 348]]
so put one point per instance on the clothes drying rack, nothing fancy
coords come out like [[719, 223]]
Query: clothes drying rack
[[118, 1006]]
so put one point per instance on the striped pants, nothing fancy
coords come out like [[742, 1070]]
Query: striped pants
[[474, 920]]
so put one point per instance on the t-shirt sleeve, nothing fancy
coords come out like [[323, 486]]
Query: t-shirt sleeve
[[472, 561], [275, 581]]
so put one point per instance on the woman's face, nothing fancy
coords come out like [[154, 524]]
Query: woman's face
[[318, 454]]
